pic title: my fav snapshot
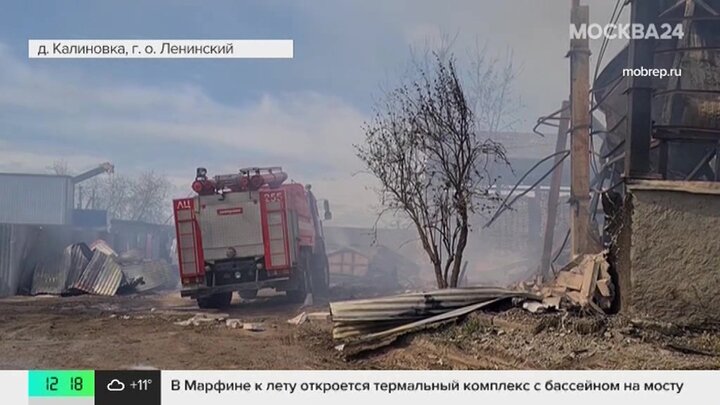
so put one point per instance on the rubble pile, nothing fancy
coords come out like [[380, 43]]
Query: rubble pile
[[98, 270], [583, 284], [200, 319]]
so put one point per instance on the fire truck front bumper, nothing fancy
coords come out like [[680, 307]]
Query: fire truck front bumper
[[281, 284]]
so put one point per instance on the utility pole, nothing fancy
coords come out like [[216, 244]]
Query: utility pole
[[580, 134], [554, 193]]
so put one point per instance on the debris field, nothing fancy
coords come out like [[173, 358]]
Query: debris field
[[163, 331]]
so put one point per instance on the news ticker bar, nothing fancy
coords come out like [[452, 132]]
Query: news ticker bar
[[160, 48], [154, 387]]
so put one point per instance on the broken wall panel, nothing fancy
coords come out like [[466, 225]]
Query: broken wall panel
[[57, 276], [102, 276], [13, 248], [25, 248]]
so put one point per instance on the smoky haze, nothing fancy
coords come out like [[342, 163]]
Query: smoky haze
[[305, 114], [169, 117]]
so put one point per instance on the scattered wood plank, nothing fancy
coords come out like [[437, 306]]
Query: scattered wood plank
[[319, 316], [604, 270], [569, 280], [595, 307], [552, 302], [603, 286], [553, 290], [585, 282], [590, 273], [575, 297]]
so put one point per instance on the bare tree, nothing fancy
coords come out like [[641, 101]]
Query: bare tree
[[142, 198], [111, 193], [149, 202], [490, 79], [60, 168], [490, 85], [424, 149]]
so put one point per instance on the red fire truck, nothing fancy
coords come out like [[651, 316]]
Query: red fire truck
[[247, 231]]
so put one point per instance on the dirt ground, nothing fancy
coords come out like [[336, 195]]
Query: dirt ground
[[125, 332], [516, 339]]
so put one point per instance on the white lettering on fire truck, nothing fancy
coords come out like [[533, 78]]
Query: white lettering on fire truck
[[230, 211], [183, 205]]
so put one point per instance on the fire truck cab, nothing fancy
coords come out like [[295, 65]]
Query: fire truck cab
[[247, 231]]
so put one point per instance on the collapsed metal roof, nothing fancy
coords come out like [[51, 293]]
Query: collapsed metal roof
[[380, 317]]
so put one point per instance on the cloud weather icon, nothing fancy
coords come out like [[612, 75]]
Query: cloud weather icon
[[116, 385]]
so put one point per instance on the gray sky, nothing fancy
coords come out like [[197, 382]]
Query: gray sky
[[303, 114]]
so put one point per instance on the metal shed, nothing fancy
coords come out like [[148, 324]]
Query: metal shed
[[36, 199]]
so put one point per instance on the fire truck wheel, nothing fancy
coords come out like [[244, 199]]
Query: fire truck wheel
[[215, 301], [320, 279], [302, 273], [298, 294]]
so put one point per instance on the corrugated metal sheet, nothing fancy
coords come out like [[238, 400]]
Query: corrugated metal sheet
[[35, 199], [102, 276], [8, 268], [79, 260], [57, 276], [414, 305], [373, 317], [154, 274], [369, 334], [13, 248], [49, 277]]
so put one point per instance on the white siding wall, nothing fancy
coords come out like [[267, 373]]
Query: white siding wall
[[35, 199]]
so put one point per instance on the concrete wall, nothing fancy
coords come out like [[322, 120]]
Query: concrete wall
[[674, 253]]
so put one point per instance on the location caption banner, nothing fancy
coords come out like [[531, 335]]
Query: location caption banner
[[160, 48]]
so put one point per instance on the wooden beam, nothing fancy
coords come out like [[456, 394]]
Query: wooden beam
[[554, 193], [590, 274], [570, 280], [580, 134]]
